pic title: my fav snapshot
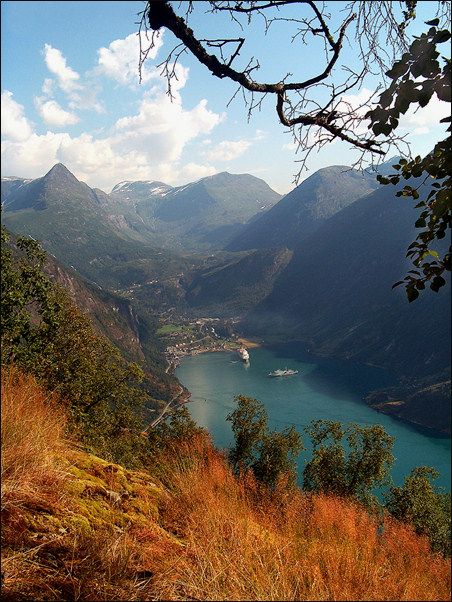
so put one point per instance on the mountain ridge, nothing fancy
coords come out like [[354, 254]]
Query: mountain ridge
[[302, 210], [333, 289], [198, 216]]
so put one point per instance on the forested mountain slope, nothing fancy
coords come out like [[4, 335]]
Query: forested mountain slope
[[302, 211]]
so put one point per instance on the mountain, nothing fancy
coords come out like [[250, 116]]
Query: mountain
[[131, 207], [139, 190], [198, 216], [302, 211], [333, 288], [112, 316], [224, 195], [72, 221], [239, 284], [64, 214], [386, 168], [58, 188], [11, 184], [336, 292]]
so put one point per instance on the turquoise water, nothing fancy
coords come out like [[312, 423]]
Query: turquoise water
[[323, 388]]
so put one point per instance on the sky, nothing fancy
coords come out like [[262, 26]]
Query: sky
[[71, 94]]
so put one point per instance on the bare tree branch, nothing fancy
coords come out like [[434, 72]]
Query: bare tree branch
[[379, 38]]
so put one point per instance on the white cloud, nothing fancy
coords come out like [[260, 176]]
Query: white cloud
[[92, 161], [290, 146], [227, 150], [68, 79], [120, 60], [192, 172], [14, 124], [162, 128], [86, 99], [421, 120], [146, 145], [53, 114], [47, 86], [360, 102], [80, 95], [261, 135], [31, 158]]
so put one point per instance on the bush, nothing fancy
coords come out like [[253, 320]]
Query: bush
[[427, 509], [269, 454], [33, 424], [354, 473]]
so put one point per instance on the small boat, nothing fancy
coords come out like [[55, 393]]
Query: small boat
[[243, 354], [285, 372]]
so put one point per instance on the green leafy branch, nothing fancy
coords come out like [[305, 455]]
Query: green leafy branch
[[417, 76]]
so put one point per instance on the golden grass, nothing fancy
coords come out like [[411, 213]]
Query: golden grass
[[33, 425], [204, 536], [287, 547]]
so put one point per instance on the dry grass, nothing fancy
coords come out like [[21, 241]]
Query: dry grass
[[287, 546], [33, 429], [202, 537]]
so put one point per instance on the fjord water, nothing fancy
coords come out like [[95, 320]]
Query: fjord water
[[324, 388]]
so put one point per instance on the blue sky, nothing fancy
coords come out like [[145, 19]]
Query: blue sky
[[71, 94]]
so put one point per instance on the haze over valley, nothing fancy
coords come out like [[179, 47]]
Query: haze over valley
[[316, 265]]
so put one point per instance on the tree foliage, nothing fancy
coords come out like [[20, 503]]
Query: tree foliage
[[46, 335], [352, 472], [177, 427], [416, 78], [426, 508], [269, 454]]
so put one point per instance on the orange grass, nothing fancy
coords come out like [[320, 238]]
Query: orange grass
[[214, 538], [288, 547], [33, 426]]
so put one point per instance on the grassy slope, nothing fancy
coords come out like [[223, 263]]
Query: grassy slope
[[76, 527]]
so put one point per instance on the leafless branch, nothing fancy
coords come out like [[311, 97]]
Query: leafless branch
[[379, 39]]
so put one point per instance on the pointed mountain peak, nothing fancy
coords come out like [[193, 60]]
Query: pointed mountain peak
[[60, 171]]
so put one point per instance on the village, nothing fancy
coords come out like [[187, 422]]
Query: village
[[191, 337]]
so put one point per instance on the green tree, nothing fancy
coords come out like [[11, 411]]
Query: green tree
[[269, 454], [45, 334], [277, 456], [23, 286], [249, 426], [416, 78], [426, 508], [178, 427], [350, 461]]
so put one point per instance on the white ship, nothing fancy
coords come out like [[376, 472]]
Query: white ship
[[243, 354], [285, 372]]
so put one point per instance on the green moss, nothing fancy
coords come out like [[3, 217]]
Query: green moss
[[145, 507], [78, 523], [85, 477]]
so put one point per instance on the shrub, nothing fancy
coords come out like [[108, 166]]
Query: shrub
[[269, 454], [427, 509]]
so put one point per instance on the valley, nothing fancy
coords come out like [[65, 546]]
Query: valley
[[166, 272]]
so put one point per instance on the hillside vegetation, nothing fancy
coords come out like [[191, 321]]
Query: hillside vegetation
[[96, 508], [79, 527]]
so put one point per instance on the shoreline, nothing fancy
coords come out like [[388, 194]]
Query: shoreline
[[249, 344]]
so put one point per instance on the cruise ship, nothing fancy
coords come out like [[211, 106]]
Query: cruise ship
[[243, 354]]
